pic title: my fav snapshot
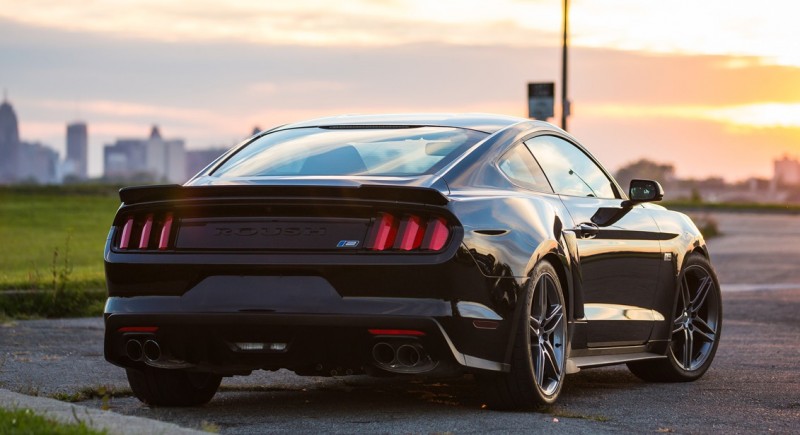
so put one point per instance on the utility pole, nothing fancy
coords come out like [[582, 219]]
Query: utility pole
[[564, 100]]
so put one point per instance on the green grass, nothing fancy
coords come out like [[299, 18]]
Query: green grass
[[24, 421], [52, 239], [40, 228]]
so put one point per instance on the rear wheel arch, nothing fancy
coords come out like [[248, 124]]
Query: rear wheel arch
[[562, 271]]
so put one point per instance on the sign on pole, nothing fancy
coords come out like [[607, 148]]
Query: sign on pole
[[541, 99]]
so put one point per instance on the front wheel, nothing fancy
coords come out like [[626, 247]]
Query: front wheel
[[172, 387], [696, 327], [540, 348]]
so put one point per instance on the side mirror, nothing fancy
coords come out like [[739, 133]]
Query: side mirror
[[645, 191]]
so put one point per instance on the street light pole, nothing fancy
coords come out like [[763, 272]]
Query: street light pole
[[564, 101]]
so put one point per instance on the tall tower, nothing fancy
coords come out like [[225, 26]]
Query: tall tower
[[77, 144], [9, 143]]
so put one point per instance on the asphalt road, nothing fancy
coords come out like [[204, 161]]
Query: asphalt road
[[753, 385]]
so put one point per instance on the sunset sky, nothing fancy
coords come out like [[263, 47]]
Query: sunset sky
[[712, 87]]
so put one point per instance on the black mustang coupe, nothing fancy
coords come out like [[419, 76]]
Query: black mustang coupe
[[411, 245]]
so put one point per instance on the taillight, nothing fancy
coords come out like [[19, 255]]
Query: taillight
[[382, 233], [145, 239], [436, 235], [163, 241], [146, 231], [407, 233]]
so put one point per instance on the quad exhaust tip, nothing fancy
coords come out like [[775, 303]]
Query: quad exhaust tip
[[403, 357], [151, 350], [133, 349]]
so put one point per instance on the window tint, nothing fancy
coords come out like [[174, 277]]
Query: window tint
[[569, 170], [345, 152], [519, 165]]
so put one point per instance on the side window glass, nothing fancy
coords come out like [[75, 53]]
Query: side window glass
[[520, 167], [569, 170]]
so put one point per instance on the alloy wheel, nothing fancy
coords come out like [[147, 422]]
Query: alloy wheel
[[697, 318], [547, 335]]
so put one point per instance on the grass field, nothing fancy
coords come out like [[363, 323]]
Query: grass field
[[47, 230]]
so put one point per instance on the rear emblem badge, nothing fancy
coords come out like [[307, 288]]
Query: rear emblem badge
[[347, 244]]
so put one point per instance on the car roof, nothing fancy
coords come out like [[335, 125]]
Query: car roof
[[486, 123]]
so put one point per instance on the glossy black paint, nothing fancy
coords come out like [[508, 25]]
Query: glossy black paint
[[617, 262]]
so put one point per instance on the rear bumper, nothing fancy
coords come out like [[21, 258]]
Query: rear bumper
[[321, 312], [303, 342]]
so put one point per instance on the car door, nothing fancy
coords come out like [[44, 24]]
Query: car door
[[618, 247]]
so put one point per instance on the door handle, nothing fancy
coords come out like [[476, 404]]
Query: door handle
[[587, 230]]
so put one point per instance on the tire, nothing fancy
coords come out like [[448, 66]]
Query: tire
[[696, 327], [165, 387], [540, 349]]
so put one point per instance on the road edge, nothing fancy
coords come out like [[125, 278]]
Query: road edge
[[110, 421]]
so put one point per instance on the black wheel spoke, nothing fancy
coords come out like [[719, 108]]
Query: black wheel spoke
[[688, 349], [553, 321], [705, 330], [705, 336], [702, 293], [535, 327], [542, 300], [684, 293], [539, 368], [550, 355]]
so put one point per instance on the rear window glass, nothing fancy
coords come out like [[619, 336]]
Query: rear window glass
[[368, 151]]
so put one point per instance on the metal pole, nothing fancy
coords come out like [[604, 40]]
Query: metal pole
[[564, 101]]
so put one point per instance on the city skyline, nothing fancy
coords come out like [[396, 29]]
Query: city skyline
[[713, 88]]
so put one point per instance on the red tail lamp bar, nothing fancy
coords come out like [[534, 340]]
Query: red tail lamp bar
[[382, 233], [145, 239], [436, 235], [125, 239], [163, 241], [141, 228], [406, 332], [409, 233]]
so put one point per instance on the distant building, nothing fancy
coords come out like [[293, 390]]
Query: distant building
[[21, 161], [152, 159], [786, 172], [9, 143], [77, 150], [38, 164], [197, 160]]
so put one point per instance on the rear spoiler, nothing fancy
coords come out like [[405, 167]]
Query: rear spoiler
[[172, 192]]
